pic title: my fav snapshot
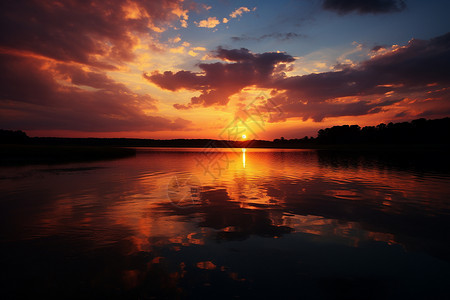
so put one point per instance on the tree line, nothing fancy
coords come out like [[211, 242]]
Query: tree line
[[420, 131]]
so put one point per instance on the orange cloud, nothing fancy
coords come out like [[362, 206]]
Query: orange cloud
[[100, 35], [418, 69], [219, 81], [63, 78], [199, 49], [211, 22], [239, 11]]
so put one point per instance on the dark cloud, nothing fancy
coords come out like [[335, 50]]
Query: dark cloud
[[402, 114], [342, 66], [39, 94], [80, 31], [276, 35], [419, 62], [365, 6], [53, 59], [218, 81], [319, 110], [418, 69], [435, 113], [377, 48]]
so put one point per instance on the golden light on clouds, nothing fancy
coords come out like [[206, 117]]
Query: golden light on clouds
[[211, 22]]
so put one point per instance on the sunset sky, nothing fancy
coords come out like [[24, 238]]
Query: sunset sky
[[186, 69]]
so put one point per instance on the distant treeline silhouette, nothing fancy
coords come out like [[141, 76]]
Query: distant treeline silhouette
[[13, 137], [420, 131]]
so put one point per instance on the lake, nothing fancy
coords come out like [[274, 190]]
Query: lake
[[228, 223]]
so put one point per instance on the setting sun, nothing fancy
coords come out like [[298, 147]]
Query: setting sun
[[244, 136]]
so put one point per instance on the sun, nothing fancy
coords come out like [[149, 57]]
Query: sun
[[244, 136]]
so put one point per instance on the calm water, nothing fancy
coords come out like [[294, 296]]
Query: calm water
[[266, 224]]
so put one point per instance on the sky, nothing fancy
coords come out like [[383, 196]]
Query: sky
[[197, 69]]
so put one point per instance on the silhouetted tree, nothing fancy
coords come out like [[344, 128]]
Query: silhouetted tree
[[13, 137], [417, 131]]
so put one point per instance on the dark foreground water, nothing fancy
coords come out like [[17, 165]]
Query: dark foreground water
[[263, 224]]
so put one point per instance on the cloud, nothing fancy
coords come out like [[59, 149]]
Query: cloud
[[239, 11], [276, 35], [192, 53], [364, 7], [199, 49], [174, 39], [436, 112], [377, 48], [417, 69], [211, 22], [99, 35], [218, 81], [54, 59], [41, 94], [402, 114], [179, 49], [409, 75]]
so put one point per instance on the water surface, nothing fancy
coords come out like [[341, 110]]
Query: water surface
[[228, 223]]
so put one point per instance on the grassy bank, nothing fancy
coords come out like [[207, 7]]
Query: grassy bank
[[54, 154]]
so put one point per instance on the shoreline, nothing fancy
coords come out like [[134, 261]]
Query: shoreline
[[26, 154]]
